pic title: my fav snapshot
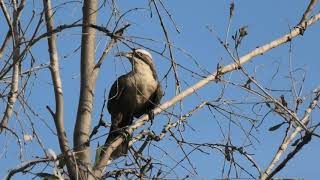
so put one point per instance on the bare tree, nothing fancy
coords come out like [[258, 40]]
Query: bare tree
[[162, 148]]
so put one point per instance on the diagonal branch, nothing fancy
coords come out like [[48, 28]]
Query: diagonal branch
[[304, 120], [5, 43], [107, 49], [25, 165], [307, 12], [98, 168], [10, 23], [6, 15], [305, 140]]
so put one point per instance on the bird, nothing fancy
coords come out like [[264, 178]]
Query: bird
[[132, 95]]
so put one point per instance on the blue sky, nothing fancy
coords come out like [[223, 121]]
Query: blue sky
[[266, 21]]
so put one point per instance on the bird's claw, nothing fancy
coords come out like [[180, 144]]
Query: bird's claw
[[125, 134], [151, 116]]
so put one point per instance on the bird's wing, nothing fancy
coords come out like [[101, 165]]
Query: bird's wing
[[156, 96], [115, 93], [120, 117]]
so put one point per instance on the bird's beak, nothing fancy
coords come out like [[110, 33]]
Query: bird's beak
[[124, 54]]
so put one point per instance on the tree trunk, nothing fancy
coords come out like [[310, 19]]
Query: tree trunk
[[83, 122]]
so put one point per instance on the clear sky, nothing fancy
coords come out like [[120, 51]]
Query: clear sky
[[266, 21]]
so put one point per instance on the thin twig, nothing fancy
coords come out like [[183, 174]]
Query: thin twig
[[5, 43], [304, 120], [22, 167], [98, 168]]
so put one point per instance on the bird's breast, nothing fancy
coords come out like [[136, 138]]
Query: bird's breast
[[145, 85]]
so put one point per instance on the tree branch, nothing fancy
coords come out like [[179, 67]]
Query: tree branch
[[304, 120], [10, 23], [302, 24], [305, 140], [87, 86], [5, 43], [57, 86], [6, 15], [98, 168], [25, 165], [16, 61]]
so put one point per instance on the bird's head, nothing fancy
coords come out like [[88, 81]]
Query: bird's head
[[141, 61], [138, 56]]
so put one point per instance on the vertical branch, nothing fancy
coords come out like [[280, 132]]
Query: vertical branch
[[112, 42], [87, 84], [57, 86], [16, 63]]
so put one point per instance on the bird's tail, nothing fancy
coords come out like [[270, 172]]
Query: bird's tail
[[122, 149]]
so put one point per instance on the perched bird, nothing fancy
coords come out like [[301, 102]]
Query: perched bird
[[132, 95]]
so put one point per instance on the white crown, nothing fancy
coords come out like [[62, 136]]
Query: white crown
[[143, 51]]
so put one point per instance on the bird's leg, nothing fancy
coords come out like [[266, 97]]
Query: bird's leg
[[123, 147], [151, 115]]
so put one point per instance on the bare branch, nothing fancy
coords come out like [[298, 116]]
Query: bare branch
[[5, 43], [16, 61], [6, 15], [305, 140], [98, 168], [113, 40], [57, 86], [18, 139], [173, 64], [302, 24], [168, 127], [22, 167], [282, 148], [87, 85]]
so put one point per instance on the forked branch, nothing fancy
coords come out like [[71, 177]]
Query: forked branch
[[98, 168]]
